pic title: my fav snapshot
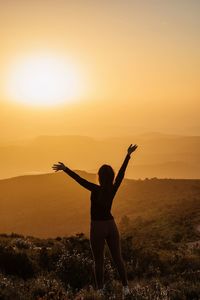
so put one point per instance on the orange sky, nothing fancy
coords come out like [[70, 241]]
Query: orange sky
[[140, 58]]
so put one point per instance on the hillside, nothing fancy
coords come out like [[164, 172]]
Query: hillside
[[159, 223], [163, 156], [53, 205]]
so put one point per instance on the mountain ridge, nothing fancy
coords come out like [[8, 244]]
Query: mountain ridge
[[55, 205], [153, 153]]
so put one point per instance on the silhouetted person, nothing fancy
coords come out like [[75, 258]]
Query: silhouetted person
[[103, 227]]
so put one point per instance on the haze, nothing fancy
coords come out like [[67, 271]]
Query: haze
[[140, 58]]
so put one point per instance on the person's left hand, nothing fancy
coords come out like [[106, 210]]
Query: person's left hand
[[131, 148]]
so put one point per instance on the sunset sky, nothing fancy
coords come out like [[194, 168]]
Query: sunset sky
[[135, 66]]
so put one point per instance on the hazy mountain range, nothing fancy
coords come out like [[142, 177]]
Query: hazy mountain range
[[158, 155]]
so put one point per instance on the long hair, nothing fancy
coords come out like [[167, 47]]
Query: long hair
[[106, 175]]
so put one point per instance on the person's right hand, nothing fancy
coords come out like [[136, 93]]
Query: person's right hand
[[131, 149], [59, 167]]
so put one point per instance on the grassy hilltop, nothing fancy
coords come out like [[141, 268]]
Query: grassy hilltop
[[61, 268], [159, 224]]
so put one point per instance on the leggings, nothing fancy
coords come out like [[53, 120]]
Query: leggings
[[101, 231]]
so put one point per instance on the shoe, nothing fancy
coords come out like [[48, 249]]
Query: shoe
[[100, 292], [126, 291]]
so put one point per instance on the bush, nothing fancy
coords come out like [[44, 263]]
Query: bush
[[16, 263], [21, 243], [75, 269]]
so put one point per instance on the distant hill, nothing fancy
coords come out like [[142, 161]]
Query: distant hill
[[158, 155], [53, 204]]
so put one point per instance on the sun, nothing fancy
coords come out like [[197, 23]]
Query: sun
[[44, 80]]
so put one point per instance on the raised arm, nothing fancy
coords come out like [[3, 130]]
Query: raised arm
[[86, 184], [120, 174]]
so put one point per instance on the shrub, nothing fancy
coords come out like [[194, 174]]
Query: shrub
[[16, 263], [75, 269]]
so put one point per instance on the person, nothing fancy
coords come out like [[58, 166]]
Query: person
[[102, 226]]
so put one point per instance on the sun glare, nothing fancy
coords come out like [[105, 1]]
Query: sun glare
[[44, 80]]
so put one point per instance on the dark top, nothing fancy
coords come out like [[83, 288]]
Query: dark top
[[101, 197]]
